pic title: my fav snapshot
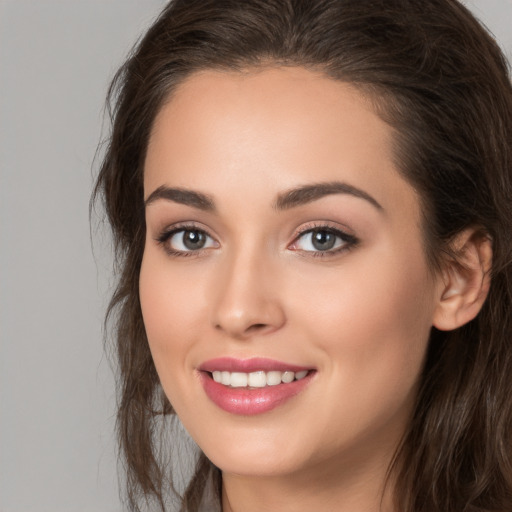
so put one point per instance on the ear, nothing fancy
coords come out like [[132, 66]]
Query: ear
[[465, 280]]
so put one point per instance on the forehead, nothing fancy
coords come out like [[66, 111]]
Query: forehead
[[293, 101], [271, 128]]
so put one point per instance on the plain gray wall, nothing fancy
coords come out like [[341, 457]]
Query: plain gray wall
[[56, 390]]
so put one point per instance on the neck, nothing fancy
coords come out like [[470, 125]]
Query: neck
[[325, 488]]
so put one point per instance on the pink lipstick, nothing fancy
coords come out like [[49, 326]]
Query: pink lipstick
[[252, 386]]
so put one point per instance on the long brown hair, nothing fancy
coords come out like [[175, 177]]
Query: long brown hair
[[439, 79]]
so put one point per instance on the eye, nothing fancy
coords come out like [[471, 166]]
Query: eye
[[323, 240], [186, 240]]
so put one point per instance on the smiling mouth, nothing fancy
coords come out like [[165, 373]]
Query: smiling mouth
[[252, 386], [256, 379]]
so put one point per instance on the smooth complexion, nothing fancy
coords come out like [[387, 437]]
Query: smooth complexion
[[231, 269]]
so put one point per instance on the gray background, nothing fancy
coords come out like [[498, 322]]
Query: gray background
[[56, 388]]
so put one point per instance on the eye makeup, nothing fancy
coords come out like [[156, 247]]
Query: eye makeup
[[192, 242], [318, 239], [322, 239]]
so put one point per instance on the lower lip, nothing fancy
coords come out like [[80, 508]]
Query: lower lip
[[251, 401]]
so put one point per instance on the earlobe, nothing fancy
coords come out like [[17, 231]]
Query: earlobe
[[465, 280]]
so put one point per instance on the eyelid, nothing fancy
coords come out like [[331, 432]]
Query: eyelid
[[168, 232], [350, 239]]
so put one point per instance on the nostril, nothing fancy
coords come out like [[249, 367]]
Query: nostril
[[256, 327]]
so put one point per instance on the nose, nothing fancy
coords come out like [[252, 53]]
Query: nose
[[247, 301]]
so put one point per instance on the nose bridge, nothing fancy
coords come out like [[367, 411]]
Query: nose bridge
[[247, 299]]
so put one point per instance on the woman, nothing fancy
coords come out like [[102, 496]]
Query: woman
[[311, 203]]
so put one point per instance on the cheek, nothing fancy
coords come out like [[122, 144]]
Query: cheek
[[371, 324], [373, 317], [172, 309]]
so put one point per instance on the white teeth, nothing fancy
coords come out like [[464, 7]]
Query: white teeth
[[273, 378], [257, 379], [239, 380], [288, 377]]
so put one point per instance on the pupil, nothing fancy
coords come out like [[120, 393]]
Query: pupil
[[323, 240], [193, 239]]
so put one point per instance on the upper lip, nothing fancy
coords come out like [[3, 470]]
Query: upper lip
[[231, 364]]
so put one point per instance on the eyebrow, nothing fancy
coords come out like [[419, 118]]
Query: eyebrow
[[182, 196], [290, 199], [309, 193]]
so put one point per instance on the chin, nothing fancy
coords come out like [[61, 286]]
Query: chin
[[263, 465], [253, 452]]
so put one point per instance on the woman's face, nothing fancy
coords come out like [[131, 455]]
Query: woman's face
[[282, 244]]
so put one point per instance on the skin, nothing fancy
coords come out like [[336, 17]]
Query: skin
[[360, 317]]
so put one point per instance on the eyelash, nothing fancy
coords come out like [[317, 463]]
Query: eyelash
[[349, 241], [168, 233]]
